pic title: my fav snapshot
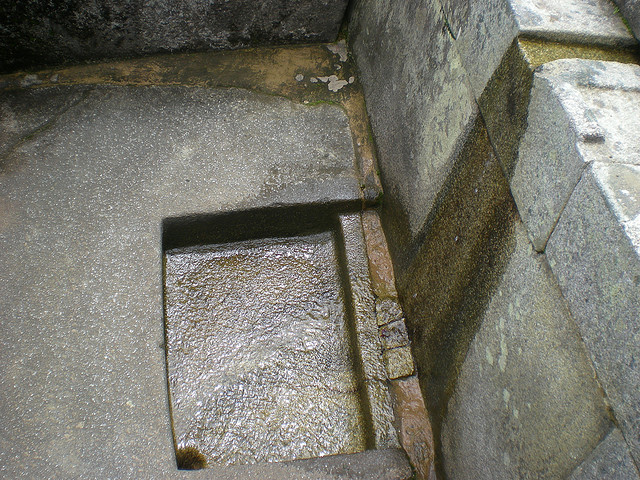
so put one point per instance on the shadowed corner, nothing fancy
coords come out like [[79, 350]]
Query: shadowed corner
[[190, 458]]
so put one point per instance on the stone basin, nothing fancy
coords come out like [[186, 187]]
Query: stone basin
[[263, 350]]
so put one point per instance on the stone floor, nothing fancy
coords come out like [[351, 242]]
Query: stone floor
[[97, 164]]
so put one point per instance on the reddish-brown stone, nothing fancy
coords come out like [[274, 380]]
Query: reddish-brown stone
[[413, 426], [380, 266]]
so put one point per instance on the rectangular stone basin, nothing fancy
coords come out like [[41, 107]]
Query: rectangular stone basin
[[262, 343]]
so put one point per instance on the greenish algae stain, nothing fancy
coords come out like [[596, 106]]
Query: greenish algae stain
[[456, 270]]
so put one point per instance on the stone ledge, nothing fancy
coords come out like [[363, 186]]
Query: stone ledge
[[580, 111]]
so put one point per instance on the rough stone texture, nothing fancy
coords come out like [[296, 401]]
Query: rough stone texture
[[394, 334], [413, 426], [258, 346], [447, 286], [366, 332], [25, 111], [580, 111], [482, 32], [388, 310], [39, 32], [609, 461], [419, 104], [505, 105], [83, 389], [398, 362], [631, 11], [595, 253], [389, 464], [525, 403], [577, 21]]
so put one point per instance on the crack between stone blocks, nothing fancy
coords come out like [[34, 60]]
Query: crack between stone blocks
[[47, 125], [562, 209]]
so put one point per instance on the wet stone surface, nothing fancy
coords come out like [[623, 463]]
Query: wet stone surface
[[259, 358]]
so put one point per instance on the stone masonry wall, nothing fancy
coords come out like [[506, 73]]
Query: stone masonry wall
[[523, 314], [42, 32]]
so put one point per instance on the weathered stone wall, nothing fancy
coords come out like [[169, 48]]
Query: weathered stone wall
[[518, 386], [43, 32], [631, 11]]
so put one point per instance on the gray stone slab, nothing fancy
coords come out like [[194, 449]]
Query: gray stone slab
[[83, 390], [609, 461], [576, 21], [525, 403], [40, 32], [631, 11], [25, 111], [595, 253], [418, 101], [482, 31], [580, 111]]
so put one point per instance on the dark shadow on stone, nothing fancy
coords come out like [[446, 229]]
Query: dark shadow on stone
[[454, 275], [234, 226], [505, 103]]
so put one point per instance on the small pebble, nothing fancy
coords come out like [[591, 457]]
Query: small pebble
[[299, 77]]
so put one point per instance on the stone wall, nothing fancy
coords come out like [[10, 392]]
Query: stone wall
[[631, 11], [526, 346], [43, 32]]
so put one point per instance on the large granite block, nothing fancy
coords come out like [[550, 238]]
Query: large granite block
[[418, 101], [525, 403], [609, 461], [74, 30], [580, 111], [595, 253]]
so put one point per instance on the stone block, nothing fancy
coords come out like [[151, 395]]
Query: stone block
[[631, 11], [388, 310], [580, 111], [380, 266], [398, 362], [595, 253], [609, 461], [394, 335], [419, 104], [446, 287], [525, 403], [70, 31], [482, 32], [366, 332], [504, 105], [573, 21], [390, 464], [414, 427], [28, 110]]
